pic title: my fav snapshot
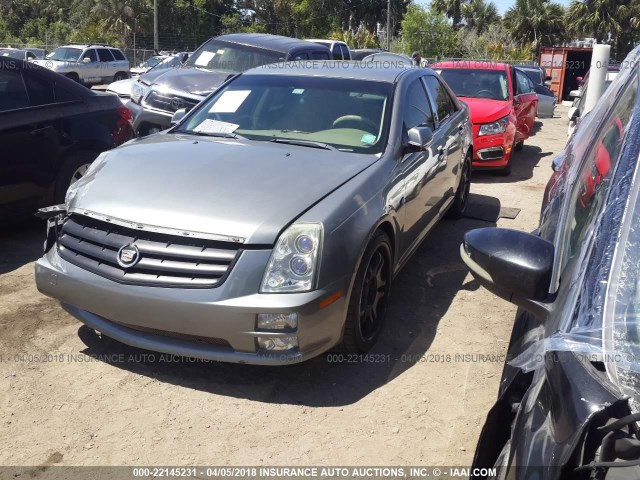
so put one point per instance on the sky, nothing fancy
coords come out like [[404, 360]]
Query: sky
[[504, 5]]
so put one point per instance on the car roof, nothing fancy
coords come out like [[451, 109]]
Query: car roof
[[471, 64], [265, 40], [356, 70]]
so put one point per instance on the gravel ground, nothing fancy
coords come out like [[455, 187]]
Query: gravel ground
[[424, 405]]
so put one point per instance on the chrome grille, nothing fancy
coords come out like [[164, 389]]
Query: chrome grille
[[164, 261], [168, 102]]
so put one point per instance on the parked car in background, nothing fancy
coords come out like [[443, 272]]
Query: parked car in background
[[569, 395], [577, 109], [536, 74], [296, 193], [22, 53], [148, 64], [51, 129], [546, 101], [160, 94], [612, 72], [339, 50], [123, 88], [390, 59], [503, 107], [88, 64], [360, 53]]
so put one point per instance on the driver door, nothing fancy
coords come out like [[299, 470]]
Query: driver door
[[525, 104]]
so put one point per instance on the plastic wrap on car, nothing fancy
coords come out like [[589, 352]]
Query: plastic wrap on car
[[605, 326]]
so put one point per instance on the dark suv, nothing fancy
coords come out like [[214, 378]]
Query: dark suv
[[51, 130], [157, 96]]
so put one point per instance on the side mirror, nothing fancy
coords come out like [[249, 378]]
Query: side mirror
[[86, 60], [179, 115], [574, 113], [557, 162], [418, 139], [513, 265]]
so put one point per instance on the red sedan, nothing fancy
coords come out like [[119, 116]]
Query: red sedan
[[503, 106]]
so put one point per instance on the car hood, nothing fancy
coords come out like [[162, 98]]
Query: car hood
[[241, 189], [190, 80], [484, 110], [122, 87]]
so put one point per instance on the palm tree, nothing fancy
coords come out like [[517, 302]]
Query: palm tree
[[536, 21], [478, 14], [114, 16], [450, 8], [603, 19]]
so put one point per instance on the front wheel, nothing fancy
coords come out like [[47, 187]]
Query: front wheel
[[369, 297], [461, 199], [120, 76]]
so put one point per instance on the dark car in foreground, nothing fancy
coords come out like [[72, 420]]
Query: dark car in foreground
[[267, 226], [159, 94], [51, 129], [570, 393]]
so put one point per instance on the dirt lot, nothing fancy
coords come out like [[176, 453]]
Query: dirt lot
[[421, 407]]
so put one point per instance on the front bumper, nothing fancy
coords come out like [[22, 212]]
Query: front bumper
[[144, 118], [213, 324], [491, 151]]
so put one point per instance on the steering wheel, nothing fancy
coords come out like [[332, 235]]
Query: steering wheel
[[488, 92], [356, 119]]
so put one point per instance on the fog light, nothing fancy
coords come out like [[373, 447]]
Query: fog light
[[278, 343], [277, 321]]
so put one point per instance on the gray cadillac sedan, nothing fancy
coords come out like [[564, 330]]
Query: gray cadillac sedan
[[266, 226]]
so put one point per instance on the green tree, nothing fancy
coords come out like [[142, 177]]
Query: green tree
[[539, 22], [451, 8], [427, 32], [479, 15], [602, 19]]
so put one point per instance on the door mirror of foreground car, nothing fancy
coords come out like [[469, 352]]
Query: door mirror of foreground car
[[515, 266], [418, 138], [179, 115], [574, 113]]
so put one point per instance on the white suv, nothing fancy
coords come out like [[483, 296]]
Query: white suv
[[88, 64]]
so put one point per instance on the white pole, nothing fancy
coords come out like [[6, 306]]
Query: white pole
[[597, 76]]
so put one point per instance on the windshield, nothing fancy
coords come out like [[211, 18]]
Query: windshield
[[232, 58], [349, 115], [477, 83], [152, 62], [65, 54]]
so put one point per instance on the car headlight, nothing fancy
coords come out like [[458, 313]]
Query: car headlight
[[499, 126], [138, 91], [293, 265]]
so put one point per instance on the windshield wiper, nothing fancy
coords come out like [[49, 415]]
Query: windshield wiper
[[212, 134], [303, 143]]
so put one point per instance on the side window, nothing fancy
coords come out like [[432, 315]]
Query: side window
[[522, 83], [40, 90], [117, 54], [13, 94], [319, 56], [105, 55], [337, 52], [595, 170], [345, 52], [417, 110], [63, 95], [91, 54], [301, 56], [444, 102]]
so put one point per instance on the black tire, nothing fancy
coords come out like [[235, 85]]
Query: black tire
[[461, 199], [74, 77], [120, 76], [69, 172], [369, 297]]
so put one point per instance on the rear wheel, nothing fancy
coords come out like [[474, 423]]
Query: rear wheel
[[120, 76], [369, 297], [73, 169], [462, 194]]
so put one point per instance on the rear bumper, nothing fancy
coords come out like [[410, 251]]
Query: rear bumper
[[213, 323]]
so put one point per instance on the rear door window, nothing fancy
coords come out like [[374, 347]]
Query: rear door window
[[301, 56], [105, 55], [117, 54], [13, 93], [40, 90], [444, 102], [320, 56], [337, 52]]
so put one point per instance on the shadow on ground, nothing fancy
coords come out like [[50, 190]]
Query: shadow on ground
[[522, 165], [422, 294], [20, 243]]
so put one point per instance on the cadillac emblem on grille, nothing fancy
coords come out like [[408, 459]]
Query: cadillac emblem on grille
[[128, 256]]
